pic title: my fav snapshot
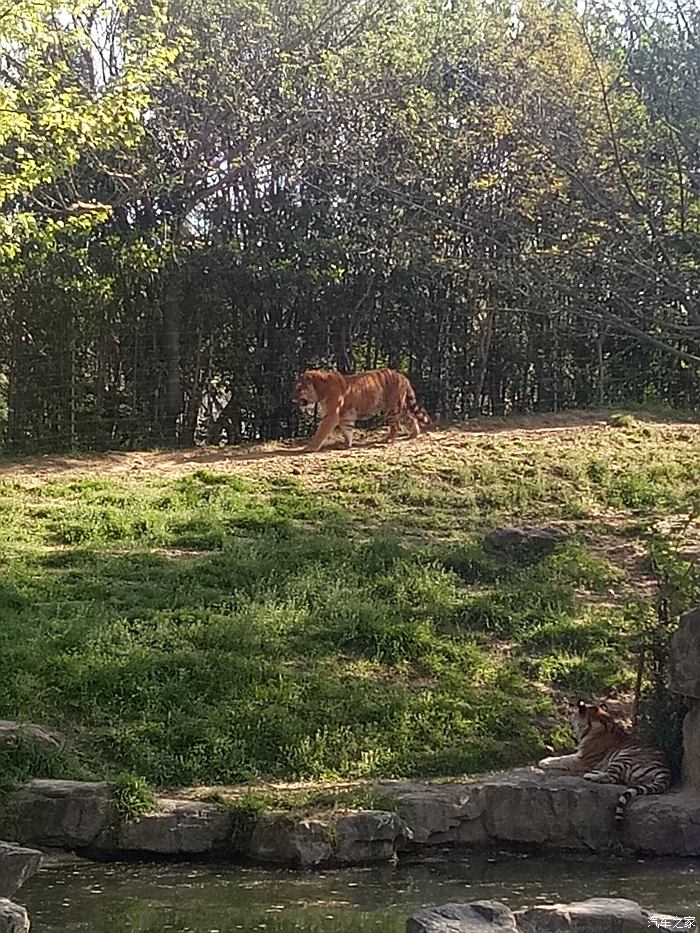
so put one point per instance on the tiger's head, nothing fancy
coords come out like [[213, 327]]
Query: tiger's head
[[590, 721], [307, 390]]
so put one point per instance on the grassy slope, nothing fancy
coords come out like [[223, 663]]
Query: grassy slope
[[328, 616]]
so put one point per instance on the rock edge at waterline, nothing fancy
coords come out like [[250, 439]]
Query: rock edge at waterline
[[596, 915], [522, 806]]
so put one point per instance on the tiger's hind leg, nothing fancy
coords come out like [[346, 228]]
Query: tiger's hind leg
[[411, 423], [393, 419], [347, 426]]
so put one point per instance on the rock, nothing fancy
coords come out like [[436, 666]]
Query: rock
[[178, 826], [13, 918], [684, 664], [564, 811], [11, 732], [277, 837], [691, 747], [348, 838], [597, 915], [367, 836], [523, 805], [684, 678], [525, 541], [17, 864], [438, 813], [667, 824], [476, 917], [64, 814]]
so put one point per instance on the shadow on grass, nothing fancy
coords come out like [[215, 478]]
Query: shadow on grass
[[289, 652]]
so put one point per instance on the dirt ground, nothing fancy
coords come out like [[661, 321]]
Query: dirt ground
[[288, 457]]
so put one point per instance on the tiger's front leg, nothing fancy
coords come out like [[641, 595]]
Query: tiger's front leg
[[570, 763], [323, 432]]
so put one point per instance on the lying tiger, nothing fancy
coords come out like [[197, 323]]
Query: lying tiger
[[608, 754], [343, 400]]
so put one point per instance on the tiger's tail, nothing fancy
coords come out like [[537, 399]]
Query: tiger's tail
[[659, 786], [418, 412]]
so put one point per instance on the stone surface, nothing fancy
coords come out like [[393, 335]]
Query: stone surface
[[476, 917], [684, 664], [65, 814], [524, 541], [350, 838], [668, 824], [596, 915], [13, 918], [684, 678], [691, 747], [15, 731], [177, 827], [17, 864], [277, 837], [524, 806], [367, 836]]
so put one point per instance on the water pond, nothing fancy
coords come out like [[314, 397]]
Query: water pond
[[215, 898]]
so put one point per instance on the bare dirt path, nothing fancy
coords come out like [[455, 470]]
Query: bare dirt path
[[288, 457]]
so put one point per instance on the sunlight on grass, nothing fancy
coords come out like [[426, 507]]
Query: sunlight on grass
[[217, 628]]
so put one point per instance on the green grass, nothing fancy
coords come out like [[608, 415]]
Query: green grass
[[218, 628]]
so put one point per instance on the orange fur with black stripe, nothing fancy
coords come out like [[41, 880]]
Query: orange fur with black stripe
[[608, 754], [344, 400]]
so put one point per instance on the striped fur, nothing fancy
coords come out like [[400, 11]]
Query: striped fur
[[344, 400], [608, 754]]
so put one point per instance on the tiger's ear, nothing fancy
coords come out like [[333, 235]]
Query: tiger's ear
[[581, 706]]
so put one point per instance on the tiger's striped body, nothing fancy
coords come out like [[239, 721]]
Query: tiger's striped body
[[342, 400], [608, 754]]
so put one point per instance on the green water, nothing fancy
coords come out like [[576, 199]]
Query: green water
[[215, 898]]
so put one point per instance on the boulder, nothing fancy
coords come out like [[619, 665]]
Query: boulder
[[527, 806], [684, 663], [13, 918], [177, 827], [64, 814], [17, 864], [691, 747], [667, 824], [11, 732], [524, 542], [476, 917], [438, 814], [524, 806], [597, 915], [684, 679], [278, 837], [351, 838], [367, 836]]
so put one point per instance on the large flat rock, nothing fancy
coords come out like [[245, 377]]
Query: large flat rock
[[17, 865], [350, 838], [530, 807], [11, 732], [596, 915], [476, 917], [524, 806], [177, 827], [64, 814]]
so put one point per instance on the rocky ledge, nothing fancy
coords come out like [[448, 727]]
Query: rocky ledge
[[13, 918], [597, 915], [522, 806]]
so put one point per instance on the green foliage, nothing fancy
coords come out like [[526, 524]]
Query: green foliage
[[199, 200], [133, 796]]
